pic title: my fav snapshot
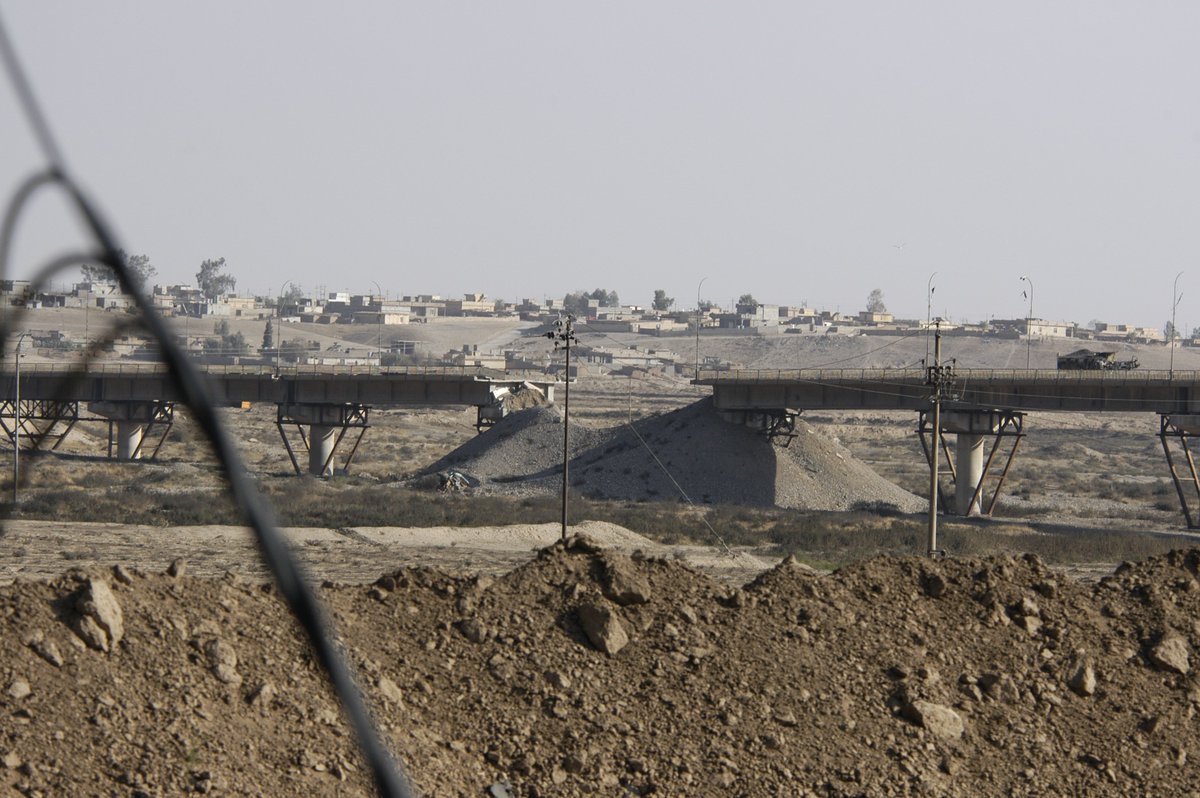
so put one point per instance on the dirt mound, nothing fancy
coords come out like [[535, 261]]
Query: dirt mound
[[713, 461], [523, 445], [589, 672]]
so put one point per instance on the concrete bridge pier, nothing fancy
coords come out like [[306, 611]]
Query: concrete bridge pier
[[968, 454], [322, 439], [327, 425], [129, 422], [972, 460]]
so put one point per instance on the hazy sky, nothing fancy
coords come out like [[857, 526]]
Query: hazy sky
[[793, 150]]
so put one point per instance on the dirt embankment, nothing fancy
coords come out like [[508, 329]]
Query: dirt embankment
[[588, 672]]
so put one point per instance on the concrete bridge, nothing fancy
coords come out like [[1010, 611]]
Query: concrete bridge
[[323, 403], [976, 405]]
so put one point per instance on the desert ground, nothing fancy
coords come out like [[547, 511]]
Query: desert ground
[[776, 638]]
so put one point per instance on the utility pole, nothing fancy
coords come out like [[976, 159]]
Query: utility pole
[[17, 419], [1175, 298], [379, 326], [938, 379], [562, 335], [699, 318]]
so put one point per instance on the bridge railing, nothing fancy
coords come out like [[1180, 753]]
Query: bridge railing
[[158, 369], [1116, 377]]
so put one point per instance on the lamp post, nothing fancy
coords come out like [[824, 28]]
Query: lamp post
[[17, 417], [379, 326], [699, 317], [929, 289], [1028, 323], [279, 321], [1175, 297]]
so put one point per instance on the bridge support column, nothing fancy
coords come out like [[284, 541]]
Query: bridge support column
[[129, 439], [321, 441], [327, 425], [968, 451], [970, 467], [1182, 427], [132, 421]]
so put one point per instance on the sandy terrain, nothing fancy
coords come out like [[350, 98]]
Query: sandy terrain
[[42, 550]]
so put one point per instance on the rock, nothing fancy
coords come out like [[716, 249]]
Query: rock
[[46, 649], [18, 689], [785, 718], [100, 623], [222, 660], [938, 720], [1000, 687], [1171, 653], [390, 690], [603, 628], [558, 680], [261, 696], [935, 585], [623, 584], [122, 575], [11, 760], [177, 567], [1083, 680], [1030, 623], [474, 630]]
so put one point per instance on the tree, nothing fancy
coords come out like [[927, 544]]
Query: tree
[[576, 302], [747, 299], [1170, 332], [138, 267], [212, 283], [268, 342], [662, 302], [875, 302], [291, 296], [140, 272]]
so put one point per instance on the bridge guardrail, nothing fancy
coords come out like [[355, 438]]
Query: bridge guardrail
[[1135, 377], [153, 369]]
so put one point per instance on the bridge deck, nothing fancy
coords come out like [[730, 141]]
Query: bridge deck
[[232, 385], [905, 389]]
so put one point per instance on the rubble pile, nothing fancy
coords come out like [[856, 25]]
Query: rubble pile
[[693, 449], [589, 672]]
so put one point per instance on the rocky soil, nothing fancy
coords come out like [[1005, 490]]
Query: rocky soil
[[692, 450], [590, 672]]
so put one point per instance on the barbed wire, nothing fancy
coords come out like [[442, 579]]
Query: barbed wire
[[275, 551]]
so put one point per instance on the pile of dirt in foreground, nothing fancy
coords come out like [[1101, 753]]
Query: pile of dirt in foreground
[[585, 672], [712, 460]]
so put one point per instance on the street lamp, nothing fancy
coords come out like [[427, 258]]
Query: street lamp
[[279, 322], [1028, 322], [929, 289], [379, 326], [1175, 298], [699, 317]]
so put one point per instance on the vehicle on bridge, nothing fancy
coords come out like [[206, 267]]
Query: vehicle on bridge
[[1088, 360]]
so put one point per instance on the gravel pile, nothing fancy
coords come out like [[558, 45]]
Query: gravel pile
[[693, 449]]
